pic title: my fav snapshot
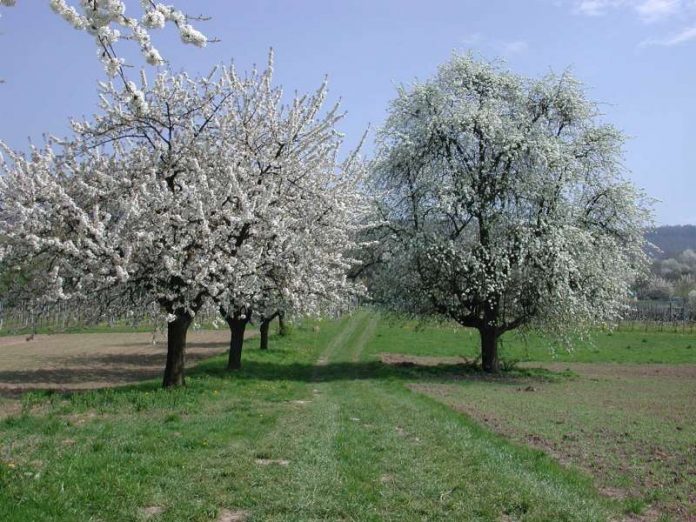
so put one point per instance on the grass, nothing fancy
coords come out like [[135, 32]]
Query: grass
[[634, 435], [314, 429], [631, 426], [622, 346], [108, 454]]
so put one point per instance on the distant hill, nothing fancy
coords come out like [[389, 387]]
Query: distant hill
[[673, 239]]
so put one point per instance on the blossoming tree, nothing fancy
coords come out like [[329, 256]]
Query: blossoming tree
[[309, 252], [312, 275], [503, 204], [304, 265], [186, 194]]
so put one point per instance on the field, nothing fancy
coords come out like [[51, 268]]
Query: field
[[93, 360], [366, 418]]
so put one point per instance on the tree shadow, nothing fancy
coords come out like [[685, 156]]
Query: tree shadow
[[93, 371], [371, 370], [128, 371]]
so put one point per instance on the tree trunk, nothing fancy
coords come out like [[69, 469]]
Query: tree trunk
[[281, 324], [489, 349], [176, 347], [263, 330], [237, 326]]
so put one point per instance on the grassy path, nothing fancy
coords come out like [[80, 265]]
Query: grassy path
[[365, 448], [311, 430]]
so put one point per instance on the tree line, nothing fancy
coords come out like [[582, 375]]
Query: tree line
[[494, 200], [670, 278]]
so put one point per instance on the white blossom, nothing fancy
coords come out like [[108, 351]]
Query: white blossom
[[154, 19], [190, 35], [107, 22]]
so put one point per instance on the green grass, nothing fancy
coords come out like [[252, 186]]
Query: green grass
[[618, 346], [635, 435], [631, 426], [314, 429], [106, 454]]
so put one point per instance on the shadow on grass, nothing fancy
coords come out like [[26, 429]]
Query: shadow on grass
[[135, 375], [96, 371], [371, 370]]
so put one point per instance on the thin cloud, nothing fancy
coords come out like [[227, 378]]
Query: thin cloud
[[596, 7], [515, 47], [653, 10], [667, 12], [681, 37], [647, 10], [500, 47], [472, 39]]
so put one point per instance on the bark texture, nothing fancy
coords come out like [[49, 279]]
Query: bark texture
[[263, 330], [282, 330], [489, 349], [176, 349], [237, 327]]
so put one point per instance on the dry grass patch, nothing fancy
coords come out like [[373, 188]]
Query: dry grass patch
[[152, 511], [232, 516]]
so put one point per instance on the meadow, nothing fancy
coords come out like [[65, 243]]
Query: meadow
[[370, 418]]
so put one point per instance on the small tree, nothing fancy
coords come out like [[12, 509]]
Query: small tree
[[305, 261], [691, 299], [504, 205], [264, 326], [237, 318], [305, 253], [314, 276]]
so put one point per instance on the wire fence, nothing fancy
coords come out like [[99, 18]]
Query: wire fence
[[66, 316], [673, 315]]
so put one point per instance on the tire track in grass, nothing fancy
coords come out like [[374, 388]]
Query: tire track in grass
[[369, 449], [318, 475], [367, 334], [398, 455], [341, 339], [336, 480], [306, 434]]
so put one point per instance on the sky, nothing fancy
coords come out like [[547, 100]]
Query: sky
[[635, 57]]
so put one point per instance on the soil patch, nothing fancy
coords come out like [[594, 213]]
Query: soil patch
[[398, 359], [152, 511], [67, 362], [622, 371], [232, 516], [270, 462]]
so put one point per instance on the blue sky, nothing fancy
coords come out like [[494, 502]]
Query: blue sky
[[636, 58]]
